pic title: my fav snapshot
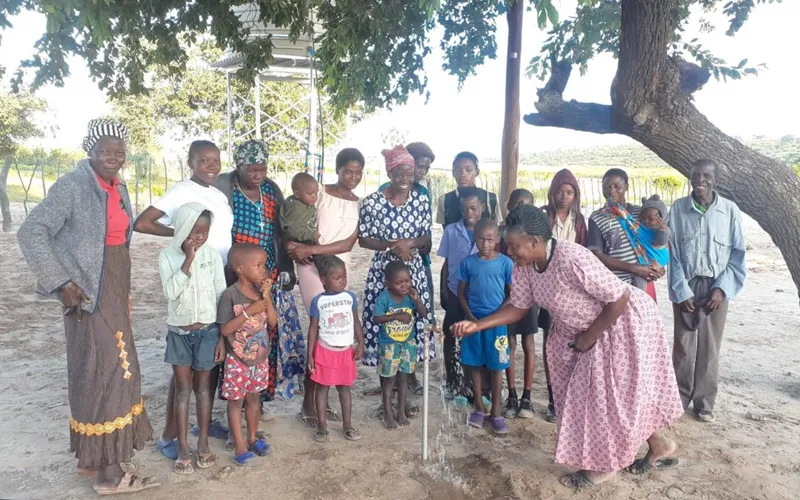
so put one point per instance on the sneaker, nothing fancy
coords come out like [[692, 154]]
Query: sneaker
[[512, 407], [705, 416], [525, 409], [551, 414]]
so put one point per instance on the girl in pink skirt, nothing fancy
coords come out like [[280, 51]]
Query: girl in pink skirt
[[333, 331]]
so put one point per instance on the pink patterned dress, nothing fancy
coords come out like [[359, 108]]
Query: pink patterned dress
[[611, 398]]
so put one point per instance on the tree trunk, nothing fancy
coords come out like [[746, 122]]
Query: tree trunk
[[651, 104], [5, 208], [510, 148]]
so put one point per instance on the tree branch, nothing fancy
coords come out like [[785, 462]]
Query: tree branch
[[554, 111]]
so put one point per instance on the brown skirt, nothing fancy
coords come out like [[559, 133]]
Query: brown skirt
[[105, 395]]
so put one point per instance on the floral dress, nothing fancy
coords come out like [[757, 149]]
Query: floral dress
[[381, 220], [611, 398], [257, 223]]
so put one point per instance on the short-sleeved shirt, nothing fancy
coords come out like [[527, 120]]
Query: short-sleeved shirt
[[246, 343], [456, 245], [395, 331], [606, 235], [219, 236], [117, 221], [334, 312], [487, 282]]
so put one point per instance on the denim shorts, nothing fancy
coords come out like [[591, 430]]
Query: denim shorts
[[194, 348]]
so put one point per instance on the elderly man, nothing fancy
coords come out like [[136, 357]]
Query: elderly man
[[706, 271]]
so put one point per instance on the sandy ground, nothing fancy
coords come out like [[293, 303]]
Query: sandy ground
[[750, 452]]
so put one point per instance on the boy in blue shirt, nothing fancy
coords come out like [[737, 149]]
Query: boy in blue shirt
[[457, 244], [483, 282], [396, 310]]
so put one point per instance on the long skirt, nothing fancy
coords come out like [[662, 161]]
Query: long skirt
[[105, 398]]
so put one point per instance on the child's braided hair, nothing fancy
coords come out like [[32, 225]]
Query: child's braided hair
[[530, 220]]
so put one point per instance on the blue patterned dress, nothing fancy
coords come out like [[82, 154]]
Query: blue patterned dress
[[381, 220]]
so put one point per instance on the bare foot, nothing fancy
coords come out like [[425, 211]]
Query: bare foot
[[402, 419], [389, 420], [660, 447]]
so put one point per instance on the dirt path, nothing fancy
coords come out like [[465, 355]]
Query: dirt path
[[750, 452]]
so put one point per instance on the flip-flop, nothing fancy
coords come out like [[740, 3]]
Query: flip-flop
[[308, 421], [206, 460], [476, 419], [577, 481], [499, 425], [129, 483], [260, 448], [643, 466], [321, 436], [246, 459], [183, 467], [168, 448], [333, 415], [215, 430], [352, 434]]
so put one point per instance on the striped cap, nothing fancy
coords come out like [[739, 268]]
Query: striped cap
[[104, 128]]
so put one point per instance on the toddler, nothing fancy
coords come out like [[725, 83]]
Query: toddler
[[653, 237], [483, 283], [193, 279], [245, 314], [333, 330], [396, 310], [298, 214]]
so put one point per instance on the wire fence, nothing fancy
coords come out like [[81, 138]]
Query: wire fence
[[148, 179]]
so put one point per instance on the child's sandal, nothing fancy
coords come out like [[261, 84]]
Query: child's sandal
[[260, 448], [206, 460], [321, 436], [352, 434], [183, 467], [245, 459]]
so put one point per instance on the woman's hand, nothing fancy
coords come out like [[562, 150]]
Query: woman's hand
[[73, 298], [403, 249], [642, 271], [464, 328], [299, 253], [289, 285], [583, 341]]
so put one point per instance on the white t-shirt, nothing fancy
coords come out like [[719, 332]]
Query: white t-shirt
[[219, 236], [335, 315]]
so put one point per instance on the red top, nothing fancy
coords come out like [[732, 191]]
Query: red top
[[117, 221]]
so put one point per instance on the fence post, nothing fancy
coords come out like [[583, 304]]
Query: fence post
[[136, 184], [150, 179], [166, 177], [44, 185]]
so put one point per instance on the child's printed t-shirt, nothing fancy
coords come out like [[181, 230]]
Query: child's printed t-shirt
[[487, 282], [335, 314], [395, 331], [250, 343]]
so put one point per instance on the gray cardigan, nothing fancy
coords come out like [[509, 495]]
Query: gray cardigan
[[63, 238]]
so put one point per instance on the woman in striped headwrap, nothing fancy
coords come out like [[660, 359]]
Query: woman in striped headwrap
[[76, 242]]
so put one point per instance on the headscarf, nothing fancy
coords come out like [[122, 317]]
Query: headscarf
[[564, 176], [397, 156], [104, 128], [252, 152], [420, 149]]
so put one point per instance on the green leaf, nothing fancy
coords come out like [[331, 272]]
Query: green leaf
[[742, 63], [552, 13], [542, 19]]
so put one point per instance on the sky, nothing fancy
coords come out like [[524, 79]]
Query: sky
[[472, 118]]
